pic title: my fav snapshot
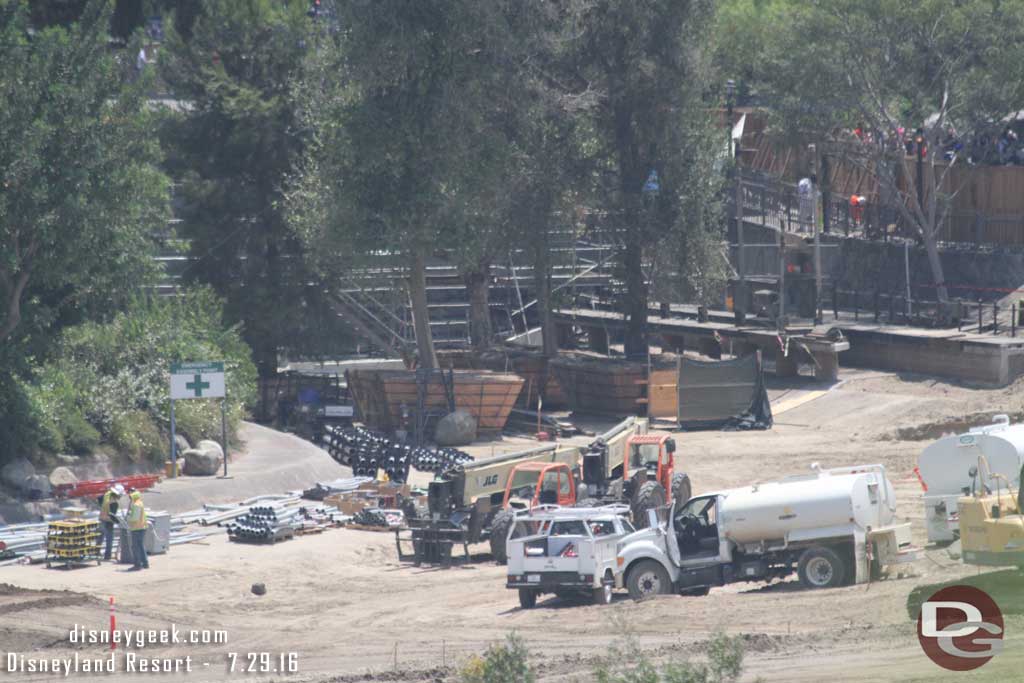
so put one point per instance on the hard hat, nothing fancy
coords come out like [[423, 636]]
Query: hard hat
[[118, 489]]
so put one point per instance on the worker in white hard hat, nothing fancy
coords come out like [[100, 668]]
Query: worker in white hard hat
[[108, 508]]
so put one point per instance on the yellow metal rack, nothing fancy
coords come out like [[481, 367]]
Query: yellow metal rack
[[73, 541]]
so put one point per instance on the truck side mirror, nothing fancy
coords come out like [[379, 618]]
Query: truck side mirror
[[670, 445], [972, 472], [652, 519]]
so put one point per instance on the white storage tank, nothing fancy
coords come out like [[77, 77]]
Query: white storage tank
[[842, 498], [944, 468]]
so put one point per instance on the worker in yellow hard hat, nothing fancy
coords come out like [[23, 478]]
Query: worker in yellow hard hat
[[108, 508], [137, 526]]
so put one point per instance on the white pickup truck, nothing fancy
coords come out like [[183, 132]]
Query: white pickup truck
[[570, 552], [832, 527]]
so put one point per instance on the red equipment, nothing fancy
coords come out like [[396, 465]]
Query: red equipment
[[96, 487]]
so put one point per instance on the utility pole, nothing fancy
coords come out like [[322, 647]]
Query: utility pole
[[740, 295], [817, 237]]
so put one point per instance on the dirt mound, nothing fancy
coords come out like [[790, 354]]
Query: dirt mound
[[15, 599], [929, 431]]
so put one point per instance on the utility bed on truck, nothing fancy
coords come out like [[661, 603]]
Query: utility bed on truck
[[566, 551]]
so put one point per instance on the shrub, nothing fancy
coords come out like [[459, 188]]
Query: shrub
[[502, 663], [135, 434], [80, 437], [24, 424], [724, 665]]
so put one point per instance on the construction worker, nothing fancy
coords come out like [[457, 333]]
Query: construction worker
[[137, 526], [108, 508]]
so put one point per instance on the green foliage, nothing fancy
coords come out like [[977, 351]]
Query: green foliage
[[136, 435], [24, 425], [80, 194], [724, 664], [110, 380], [80, 437], [502, 663], [232, 151]]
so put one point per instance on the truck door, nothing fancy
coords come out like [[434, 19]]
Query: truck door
[[566, 488], [695, 527]]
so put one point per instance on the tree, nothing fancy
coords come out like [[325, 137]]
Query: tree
[[233, 148], [81, 194], [647, 66], [400, 102], [882, 66]]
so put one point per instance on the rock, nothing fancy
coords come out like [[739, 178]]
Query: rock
[[455, 429], [37, 486], [201, 463], [211, 446], [62, 475], [259, 589], [181, 444], [16, 472]]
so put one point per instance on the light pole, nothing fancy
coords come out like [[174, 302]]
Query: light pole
[[740, 295]]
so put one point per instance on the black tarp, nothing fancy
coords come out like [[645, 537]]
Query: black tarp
[[725, 394]]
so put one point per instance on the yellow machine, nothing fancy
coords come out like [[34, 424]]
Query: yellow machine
[[991, 523]]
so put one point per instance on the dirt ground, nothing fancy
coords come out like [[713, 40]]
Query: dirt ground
[[351, 612]]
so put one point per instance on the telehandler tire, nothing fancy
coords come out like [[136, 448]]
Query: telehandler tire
[[500, 525], [651, 495], [821, 567], [681, 489]]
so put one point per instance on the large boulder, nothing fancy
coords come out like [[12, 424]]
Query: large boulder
[[211, 446], [455, 429], [181, 444], [62, 476], [16, 472], [37, 486], [201, 463]]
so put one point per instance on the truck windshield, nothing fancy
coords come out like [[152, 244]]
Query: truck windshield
[[524, 479], [696, 507], [644, 455]]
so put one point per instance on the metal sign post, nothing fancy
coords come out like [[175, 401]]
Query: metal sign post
[[198, 380]]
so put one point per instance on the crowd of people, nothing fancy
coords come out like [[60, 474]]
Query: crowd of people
[[1003, 149]]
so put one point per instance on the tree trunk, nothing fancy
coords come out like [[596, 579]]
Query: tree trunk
[[636, 294], [935, 262], [478, 288], [15, 291], [542, 283], [420, 315]]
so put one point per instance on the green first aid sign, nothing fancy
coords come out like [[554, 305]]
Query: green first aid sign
[[197, 380]]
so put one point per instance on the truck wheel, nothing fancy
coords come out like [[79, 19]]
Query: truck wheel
[[527, 598], [681, 490], [603, 595], [821, 567], [648, 579], [651, 495], [499, 534]]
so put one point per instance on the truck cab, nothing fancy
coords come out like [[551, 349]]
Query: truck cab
[[539, 483]]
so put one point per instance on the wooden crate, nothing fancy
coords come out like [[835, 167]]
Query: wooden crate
[[532, 366], [381, 394], [606, 386]]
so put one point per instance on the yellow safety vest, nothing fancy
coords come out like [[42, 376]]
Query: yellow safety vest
[[137, 516], [108, 498]]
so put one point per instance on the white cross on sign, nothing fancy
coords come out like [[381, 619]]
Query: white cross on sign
[[197, 380]]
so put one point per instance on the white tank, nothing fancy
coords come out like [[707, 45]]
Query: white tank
[[838, 497], [944, 464]]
